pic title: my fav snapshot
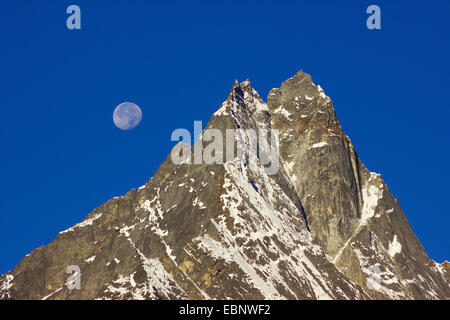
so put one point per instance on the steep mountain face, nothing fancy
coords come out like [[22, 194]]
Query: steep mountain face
[[321, 227], [352, 214]]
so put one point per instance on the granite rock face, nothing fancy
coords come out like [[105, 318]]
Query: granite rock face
[[321, 227]]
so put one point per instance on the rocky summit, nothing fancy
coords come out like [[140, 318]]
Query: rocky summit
[[322, 227]]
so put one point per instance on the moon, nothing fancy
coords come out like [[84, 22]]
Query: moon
[[127, 116]]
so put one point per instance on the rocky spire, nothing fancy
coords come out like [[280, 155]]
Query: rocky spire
[[350, 210]]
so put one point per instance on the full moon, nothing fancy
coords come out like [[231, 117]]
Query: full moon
[[127, 116]]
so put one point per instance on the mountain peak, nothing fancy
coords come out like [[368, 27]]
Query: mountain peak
[[297, 88], [240, 91], [243, 101], [321, 227]]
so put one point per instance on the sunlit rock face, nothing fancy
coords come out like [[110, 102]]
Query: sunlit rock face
[[351, 212], [321, 227]]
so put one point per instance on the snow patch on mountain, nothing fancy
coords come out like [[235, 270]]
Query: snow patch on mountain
[[85, 223], [284, 112], [394, 247], [318, 145], [371, 194]]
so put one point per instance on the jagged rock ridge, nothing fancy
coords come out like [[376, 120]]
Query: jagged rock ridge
[[322, 227]]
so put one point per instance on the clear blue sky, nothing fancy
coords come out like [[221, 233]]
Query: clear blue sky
[[62, 156]]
